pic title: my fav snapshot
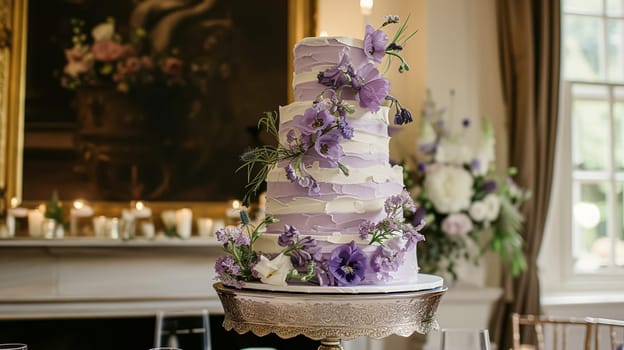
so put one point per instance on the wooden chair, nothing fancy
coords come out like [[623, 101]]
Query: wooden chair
[[593, 332]]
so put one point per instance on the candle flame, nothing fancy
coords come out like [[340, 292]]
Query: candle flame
[[79, 204], [139, 205], [14, 202], [236, 204]]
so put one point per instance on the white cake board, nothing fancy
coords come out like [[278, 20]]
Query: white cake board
[[424, 282]]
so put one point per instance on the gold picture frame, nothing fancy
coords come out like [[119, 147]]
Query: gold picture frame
[[13, 43]]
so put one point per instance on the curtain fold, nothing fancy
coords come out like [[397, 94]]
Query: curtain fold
[[529, 44]]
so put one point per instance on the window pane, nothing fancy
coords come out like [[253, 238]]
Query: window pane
[[583, 6], [615, 7], [615, 50], [590, 135], [618, 123], [591, 246], [619, 241], [582, 48]]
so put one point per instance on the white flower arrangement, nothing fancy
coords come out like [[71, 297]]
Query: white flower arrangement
[[464, 202]]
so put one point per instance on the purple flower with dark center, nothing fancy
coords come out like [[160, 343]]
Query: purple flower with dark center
[[339, 75], [312, 120], [366, 228], [490, 186], [347, 264], [375, 42], [327, 145], [466, 122], [346, 130], [373, 88], [403, 116], [290, 173], [475, 164], [288, 237]]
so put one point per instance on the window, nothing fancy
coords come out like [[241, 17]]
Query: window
[[585, 232]]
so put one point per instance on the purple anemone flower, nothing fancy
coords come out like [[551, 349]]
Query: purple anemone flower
[[372, 87], [339, 75], [375, 42], [347, 264], [327, 145], [313, 120]]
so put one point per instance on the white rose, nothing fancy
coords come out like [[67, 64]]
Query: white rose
[[493, 206], [449, 188], [458, 224], [274, 271], [103, 31], [453, 151], [478, 211]]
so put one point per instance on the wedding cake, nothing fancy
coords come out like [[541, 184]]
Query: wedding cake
[[335, 206]]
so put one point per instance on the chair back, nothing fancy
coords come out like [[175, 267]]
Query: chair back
[[183, 329], [561, 333]]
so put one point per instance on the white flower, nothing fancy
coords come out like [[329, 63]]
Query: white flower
[[274, 271], [493, 206], [453, 151], [103, 31], [478, 211], [449, 188], [458, 224]]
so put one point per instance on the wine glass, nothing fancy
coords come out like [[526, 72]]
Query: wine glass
[[464, 339], [13, 346], [165, 348]]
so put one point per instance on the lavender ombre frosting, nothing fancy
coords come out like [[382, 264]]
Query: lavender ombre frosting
[[334, 215]]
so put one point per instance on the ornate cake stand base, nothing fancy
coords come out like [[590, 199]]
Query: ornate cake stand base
[[329, 318]]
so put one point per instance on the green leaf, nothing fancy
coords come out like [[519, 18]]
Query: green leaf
[[343, 168]]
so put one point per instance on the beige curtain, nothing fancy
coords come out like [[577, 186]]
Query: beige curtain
[[529, 33]]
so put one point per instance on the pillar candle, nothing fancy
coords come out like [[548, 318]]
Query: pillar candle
[[184, 222]]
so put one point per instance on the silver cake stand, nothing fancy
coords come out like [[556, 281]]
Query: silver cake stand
[[329, 318]]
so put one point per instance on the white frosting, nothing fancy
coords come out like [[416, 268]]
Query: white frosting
[[377, 174], [267, 243], [305, 77], [287, 113], [326, 41], [315, 206]]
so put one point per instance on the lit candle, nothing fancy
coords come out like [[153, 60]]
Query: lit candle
[[204, 227], [184, 222], [35, 220], [141, 211], [233, 213], [148, 230], [79, 210], [99, 226], [15, 212]]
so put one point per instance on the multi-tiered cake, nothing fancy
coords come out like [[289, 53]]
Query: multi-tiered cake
[[336, 203]]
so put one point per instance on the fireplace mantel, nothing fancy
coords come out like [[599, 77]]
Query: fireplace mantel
[[105, 278]]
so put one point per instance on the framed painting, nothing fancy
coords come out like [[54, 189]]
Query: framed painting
[[152, 100]]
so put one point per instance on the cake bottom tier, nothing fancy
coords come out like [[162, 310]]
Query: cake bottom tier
[[405, 273]]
